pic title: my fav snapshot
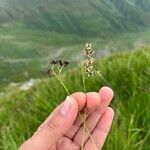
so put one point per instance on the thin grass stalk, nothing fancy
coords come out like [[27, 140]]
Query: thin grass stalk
[[83, 119]]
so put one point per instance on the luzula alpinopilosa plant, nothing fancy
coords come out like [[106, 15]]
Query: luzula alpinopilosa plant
[[55, 69]]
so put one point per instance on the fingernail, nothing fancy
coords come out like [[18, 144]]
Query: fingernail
[[65, 108]]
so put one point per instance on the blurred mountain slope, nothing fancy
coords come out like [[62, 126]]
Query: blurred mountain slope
[[82, 17]]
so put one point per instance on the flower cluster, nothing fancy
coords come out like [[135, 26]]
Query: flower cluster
[[89, 61], [60, 63], [56, 67]]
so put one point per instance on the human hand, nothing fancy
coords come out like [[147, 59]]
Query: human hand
[[63, 129]]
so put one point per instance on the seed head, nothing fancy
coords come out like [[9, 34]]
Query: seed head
[[89, 61], [66, 63], [60, 63], [56, 66], [54, 62], [88, 50]]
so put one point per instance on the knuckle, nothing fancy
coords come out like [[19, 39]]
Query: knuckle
[[65, 143], [52, 125]]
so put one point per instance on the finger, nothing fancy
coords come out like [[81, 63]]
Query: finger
[[93, 102], [106, 95], [61, 120], [101, 131], [81, 100], [79, 97]]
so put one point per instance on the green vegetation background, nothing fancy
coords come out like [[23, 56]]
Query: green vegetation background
[[127, 73], [59, 29]]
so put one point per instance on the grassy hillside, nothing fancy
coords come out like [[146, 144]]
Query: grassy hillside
[[127, 73], [20, 61], [58, 28]]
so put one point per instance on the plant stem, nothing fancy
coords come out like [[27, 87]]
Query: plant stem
[[62, 83], [86, 129], [83, 119], [105, 81], [83, 79]]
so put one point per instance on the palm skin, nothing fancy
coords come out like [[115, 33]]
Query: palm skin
[[68, 132]]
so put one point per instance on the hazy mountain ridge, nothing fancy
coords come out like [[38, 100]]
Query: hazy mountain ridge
[[84, 17]]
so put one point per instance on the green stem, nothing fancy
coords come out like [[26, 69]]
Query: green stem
[[62, 83], [84, 119], [60, 70], [83, 79], [105, 81], [85, 128]]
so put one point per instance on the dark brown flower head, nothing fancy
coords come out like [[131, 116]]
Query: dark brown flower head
[[66, 63], [54, 62], [60, 63], [56, 66]]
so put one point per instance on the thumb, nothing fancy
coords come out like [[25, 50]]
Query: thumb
[[55, 126]]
